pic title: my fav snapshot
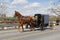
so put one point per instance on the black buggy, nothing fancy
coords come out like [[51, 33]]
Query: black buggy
[[40, 21]]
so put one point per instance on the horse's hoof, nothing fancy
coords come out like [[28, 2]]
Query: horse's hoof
[[34, 30], [23, 31], [31, 30], [18, 31]]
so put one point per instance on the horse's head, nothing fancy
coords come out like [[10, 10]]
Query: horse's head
[[17, 14]]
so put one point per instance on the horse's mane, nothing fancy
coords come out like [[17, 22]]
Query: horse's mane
[[18, 14]]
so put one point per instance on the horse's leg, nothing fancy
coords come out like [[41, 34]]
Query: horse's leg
[[19, 28], [22, 28], [31, 27]]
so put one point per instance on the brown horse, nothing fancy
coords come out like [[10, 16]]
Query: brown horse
[[23, 20]]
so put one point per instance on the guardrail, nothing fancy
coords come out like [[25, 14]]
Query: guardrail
[[13, 25], [7, 26]]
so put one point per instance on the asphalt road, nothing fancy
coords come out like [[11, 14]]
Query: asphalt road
[[31, 35]]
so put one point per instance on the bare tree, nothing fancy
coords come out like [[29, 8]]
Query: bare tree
[[55, 11], [3, 10], [55, 8]]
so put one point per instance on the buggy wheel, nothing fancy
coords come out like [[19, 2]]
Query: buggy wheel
[[42, 28]]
